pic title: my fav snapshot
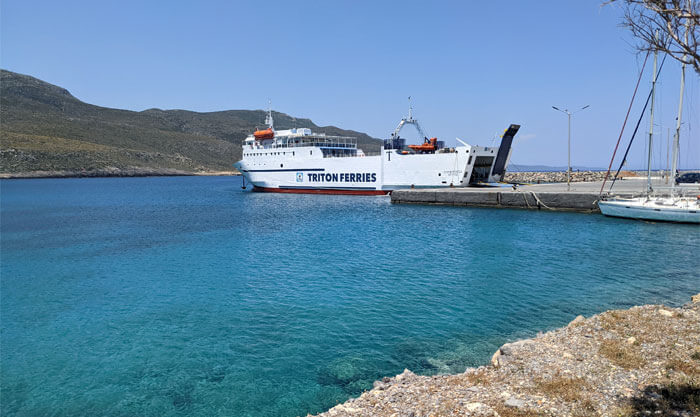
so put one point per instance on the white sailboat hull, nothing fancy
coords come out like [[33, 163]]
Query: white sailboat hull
[[667, 210]]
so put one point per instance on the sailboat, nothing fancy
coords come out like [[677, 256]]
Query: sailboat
[[669, 208]]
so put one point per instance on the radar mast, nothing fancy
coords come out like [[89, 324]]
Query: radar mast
[[268, 119], [411, 121]]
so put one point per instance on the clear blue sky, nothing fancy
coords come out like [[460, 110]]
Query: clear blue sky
[[472, 67]]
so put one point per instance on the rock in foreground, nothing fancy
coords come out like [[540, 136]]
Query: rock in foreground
[[641, 361]]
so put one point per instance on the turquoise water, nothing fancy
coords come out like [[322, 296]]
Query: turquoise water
[[187, 296]]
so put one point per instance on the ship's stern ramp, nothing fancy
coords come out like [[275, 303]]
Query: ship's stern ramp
[[490, 168], [499, 167]]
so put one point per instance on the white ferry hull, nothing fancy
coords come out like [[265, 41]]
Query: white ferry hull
[[369, 175], [297, 161], [646, 210]]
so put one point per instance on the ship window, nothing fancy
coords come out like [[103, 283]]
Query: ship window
[[292, 153], [311, 152]]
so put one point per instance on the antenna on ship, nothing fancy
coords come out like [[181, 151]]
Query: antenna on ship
[[410, 109], [268, 119]]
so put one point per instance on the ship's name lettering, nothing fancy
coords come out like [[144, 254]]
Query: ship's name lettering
[[344, 177]]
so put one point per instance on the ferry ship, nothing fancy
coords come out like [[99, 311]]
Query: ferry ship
[[300, 161]]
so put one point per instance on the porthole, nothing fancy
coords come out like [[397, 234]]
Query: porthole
[[281, 165]]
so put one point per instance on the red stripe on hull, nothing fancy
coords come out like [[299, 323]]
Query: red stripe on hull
[[319, 191]]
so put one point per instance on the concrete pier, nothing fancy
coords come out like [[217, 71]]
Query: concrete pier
[[583, 196]]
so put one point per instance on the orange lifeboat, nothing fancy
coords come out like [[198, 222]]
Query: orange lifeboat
[[427, 146], [264, 134]]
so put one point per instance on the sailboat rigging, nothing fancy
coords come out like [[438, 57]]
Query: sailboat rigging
[[672, 208]]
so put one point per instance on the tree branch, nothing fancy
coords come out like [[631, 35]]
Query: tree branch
[[672, 18]]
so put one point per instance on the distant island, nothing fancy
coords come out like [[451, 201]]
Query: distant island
[[46, 132]]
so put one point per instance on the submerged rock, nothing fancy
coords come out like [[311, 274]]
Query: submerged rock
[[353, 374]]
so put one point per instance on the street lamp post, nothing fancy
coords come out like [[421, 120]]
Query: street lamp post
[[569, 114]]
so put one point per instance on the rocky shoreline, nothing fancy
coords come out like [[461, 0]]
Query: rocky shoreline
[[636, 362], [516, 177], [112, 172]]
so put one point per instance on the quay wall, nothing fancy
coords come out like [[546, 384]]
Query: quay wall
[[571, 201]]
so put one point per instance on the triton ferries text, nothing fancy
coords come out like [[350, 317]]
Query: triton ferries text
[[341, 177]]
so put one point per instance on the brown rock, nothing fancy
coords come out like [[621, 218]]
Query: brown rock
[[578, 320]]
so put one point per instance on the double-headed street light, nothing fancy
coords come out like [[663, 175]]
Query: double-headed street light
[[568, 113]]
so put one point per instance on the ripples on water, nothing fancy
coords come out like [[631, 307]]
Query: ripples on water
[[186, 296]]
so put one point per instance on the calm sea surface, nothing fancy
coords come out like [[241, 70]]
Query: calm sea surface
[[187, 296]]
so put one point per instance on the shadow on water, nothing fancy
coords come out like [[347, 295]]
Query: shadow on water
[[667, 400]]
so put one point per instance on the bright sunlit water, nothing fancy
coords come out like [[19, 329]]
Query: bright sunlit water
[[187, 296]]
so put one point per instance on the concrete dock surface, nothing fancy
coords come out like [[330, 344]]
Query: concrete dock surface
[[582, 196]]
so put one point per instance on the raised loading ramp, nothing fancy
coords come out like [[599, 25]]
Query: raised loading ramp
[[499, 168]]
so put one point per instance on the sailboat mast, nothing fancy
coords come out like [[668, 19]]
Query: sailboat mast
[[651, 118], [676, 138], [668, 147]]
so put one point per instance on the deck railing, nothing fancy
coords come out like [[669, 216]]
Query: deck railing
[[318, 141]]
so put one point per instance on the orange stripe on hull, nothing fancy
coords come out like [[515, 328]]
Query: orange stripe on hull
[[319, 191]]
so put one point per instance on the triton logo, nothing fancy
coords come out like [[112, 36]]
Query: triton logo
[[300, 177]]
